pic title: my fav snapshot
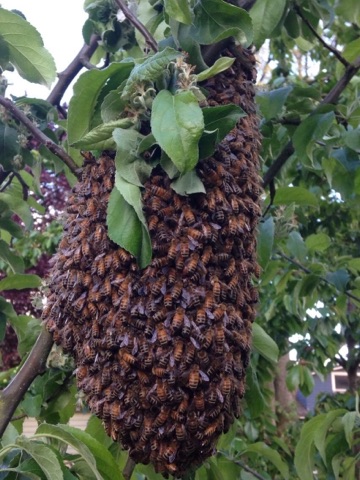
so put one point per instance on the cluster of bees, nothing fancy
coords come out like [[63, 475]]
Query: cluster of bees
[[161, 352]]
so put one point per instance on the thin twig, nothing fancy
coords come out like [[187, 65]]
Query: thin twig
[[39, 135], [150, 40], [333, 50], [34, 365], [248, 469], [331, 98], [322, 279], [129, 468], [68, 75]]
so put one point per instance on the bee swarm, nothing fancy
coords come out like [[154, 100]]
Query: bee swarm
[[161, 352]]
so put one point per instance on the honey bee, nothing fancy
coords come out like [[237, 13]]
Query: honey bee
[[178, 350], [149, 328], [161, 192], [186, 326], [180, 432], [80, 302], [209, 303], [157, 286], [226, 385], [199, 400], [194, 377], [168, 300], [177, 290], [219, 312], [161, 391], [110, 339], [124, 303], [195, 234], [203, 358], [216, 287], [89, 352], [184, 247], [152, 223], [171, 276], [172, 249], [81, 372], [106, 288], [189, 215], [143, 377], [184, 404], [207, 339], [162, 334], [206, 256], [115, 410], [128, 358], [169, 452], [107, 183], [88, 157], [160, 262], [190, 353], [160, 314], [162, 417], [124, 285], [178, 318], [95, 329], [254, 295], [191, 264], [159, 371], [99, 234], [234, 282]]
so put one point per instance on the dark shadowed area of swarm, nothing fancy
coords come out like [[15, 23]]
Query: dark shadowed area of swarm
[[161, 353]]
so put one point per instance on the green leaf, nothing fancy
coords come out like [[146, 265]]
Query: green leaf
[[100, 137], [253, 395], [296, 245], [293, 379], [15, 263], [125, 227], [27, 330], [221, 64], [177, 123], [264, 451], [95, 428], [264, 344], [265, 241], [265, 18], [339, 279], [150, 69], [44, 457], [348, 421], [352, 138], [168, 166], [298, 195], [129, 165], [113, 105], [188, 183], [271, 103], [318, 242], [19, 281], [26, 50], [179, 10], [349, 10], [215, 20], [304, 451], [9, 146], [7, 309], [15, 202], [322, 429], [313, 128], [12, 227], [87, 92], [96, 455], [219, 121], [307, 384]]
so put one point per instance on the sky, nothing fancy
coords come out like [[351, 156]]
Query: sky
[[59, 24]]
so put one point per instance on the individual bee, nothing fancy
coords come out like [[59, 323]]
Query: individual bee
[[189, 215], [194, 377], [219, 312], [162, 334], [80, 302], [99, 234], [216, 287], [124, 303], [178, 318], [162, 416], [168, 300], [156, 286], [176, 290], [178, 350], [108, 183], [207, 339], [190, 353], [128, 358], [209, 302], [173, 249], [89, 352], [186, 326], [199, 400], [163, 193], [152, 223], [160, 262], [234, 283], [160, 314], [191, 264], [161, 391], [115, 410], [226, 385], [180, 432], [110, 339], [184, 247]]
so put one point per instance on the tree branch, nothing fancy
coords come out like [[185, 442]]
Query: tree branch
[[67, 76], [331, 97], [34, 365], [248, 469], [322, 279], [150, 40], [321, 40], [39, 135]]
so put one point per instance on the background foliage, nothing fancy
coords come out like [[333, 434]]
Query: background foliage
[[309, 241]]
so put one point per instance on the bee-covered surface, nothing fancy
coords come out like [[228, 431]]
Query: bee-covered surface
[[161, 352]]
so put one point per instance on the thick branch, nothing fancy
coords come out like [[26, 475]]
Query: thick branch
[[34, 365], [150, 40], [331, 97], [39, 135], [321, 40], [323, 279], [68, 75]]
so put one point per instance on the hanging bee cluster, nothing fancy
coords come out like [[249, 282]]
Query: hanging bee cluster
[[161, 352]]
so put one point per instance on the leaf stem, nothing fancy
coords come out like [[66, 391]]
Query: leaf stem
[[34, 365], [129, 468], [39, 135], [150, 40], [248, 469]]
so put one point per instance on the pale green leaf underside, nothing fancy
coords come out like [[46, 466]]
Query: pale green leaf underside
[[26, 49]]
